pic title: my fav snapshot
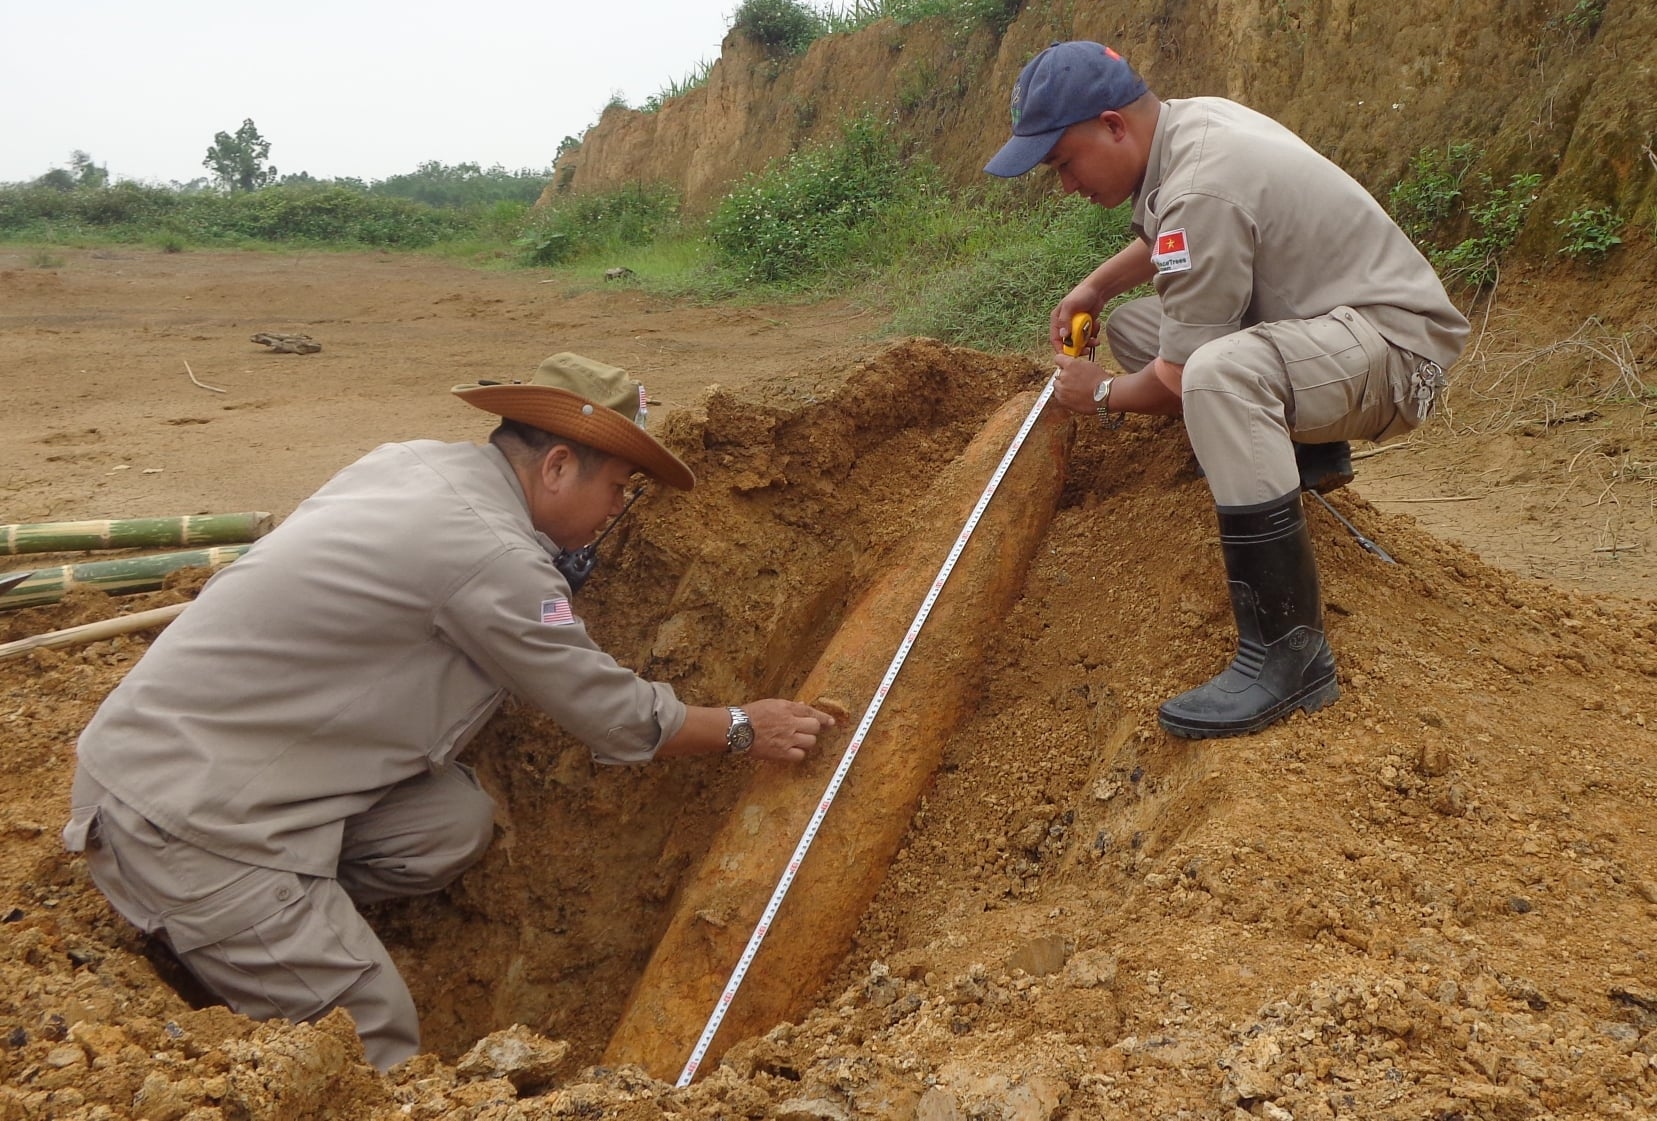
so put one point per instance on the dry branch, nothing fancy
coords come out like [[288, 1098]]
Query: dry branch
[[92, 632], [203, 385]]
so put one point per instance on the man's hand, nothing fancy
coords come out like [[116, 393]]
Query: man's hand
[[785, 730], [1084, 297], [1077, 379]]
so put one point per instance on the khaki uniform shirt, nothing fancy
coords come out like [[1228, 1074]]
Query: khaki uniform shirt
[[1248, 224], [365, 641]]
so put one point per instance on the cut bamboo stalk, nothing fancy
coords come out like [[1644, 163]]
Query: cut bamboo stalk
[[93, 632], [117, 577], [190, 530], [936, 688]]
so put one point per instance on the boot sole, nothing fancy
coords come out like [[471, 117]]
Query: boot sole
[[1308, 700]]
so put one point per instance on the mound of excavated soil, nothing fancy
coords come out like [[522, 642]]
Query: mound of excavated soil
[[1434, 899]]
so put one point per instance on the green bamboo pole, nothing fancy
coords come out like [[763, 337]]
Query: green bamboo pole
[[134, 533], [117, 577]]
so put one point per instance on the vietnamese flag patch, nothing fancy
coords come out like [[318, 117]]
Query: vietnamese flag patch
[[1172, 254]]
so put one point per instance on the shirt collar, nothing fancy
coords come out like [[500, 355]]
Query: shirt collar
[[495, 456], [1145, 198]]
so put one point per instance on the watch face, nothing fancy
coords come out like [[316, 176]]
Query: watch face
[[740, 737]]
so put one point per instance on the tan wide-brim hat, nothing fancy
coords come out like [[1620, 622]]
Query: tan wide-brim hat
[[587, 401]]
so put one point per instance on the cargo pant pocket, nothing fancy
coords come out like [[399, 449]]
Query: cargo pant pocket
[[274, 944], [1338, 372]]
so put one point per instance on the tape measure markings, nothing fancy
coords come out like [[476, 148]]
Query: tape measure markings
[[810, 834]]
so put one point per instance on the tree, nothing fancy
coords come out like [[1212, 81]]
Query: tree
[[238, 162], [83, 171], [87, 173]]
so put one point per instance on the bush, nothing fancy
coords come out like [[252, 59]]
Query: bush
[[131, 212], [782, 27], [997, 15], [965, 15], [1590, 232], [1011, 270], [1476, 261], [464, 184], [801, 216], [1427, 195], [584, 224]]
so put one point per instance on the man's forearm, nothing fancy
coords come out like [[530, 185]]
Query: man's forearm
[[1148, 390], [1124, 271]]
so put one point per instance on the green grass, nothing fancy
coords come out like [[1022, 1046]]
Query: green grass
[[979, 269], [862, 215]]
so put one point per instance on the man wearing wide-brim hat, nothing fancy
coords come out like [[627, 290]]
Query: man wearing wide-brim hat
[[287, 749]]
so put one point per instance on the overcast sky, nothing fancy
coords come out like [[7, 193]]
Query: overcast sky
[[338, 87]]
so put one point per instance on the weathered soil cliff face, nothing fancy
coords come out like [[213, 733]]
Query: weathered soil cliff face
[[1541, 86]]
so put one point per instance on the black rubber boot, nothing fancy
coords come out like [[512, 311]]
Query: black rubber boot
[[1283, 661], [1324, 467]]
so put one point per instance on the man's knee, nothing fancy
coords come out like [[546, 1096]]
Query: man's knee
[[1132, 330], [1241, 364], [419, 839], [459, 840], [276, 945]]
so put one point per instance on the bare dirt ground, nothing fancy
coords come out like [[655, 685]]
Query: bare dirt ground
[[1435, 899]]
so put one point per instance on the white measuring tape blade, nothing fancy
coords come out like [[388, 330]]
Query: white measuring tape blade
[[827, 800]]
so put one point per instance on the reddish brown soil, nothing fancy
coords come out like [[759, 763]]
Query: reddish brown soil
[[1435, 899]]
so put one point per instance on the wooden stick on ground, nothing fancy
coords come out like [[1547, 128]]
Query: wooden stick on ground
[[1382, 450], [1446, 498], [92, 632], [203, 385]]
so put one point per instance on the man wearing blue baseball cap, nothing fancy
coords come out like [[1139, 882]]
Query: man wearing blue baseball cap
[[1291, 315]]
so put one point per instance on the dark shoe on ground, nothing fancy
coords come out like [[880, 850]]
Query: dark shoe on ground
[[1283, 660], [1324, 467]]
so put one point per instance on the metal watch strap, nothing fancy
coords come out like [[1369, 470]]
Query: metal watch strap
[[1102, 396], [740, 736]]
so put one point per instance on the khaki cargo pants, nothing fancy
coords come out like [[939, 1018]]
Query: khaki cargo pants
[[274, 944], [1250, 396]]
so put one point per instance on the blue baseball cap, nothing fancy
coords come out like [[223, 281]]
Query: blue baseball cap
[[1064, 84]]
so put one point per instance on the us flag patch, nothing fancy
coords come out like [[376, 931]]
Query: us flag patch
[[1172, 254], [556, 612]]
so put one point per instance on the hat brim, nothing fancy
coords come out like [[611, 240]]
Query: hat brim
[[1022, 153], [563, 413]]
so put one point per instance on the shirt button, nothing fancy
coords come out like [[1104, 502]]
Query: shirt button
[[284, 892]]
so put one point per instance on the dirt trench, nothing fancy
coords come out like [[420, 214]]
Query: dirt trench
[[729, 592]]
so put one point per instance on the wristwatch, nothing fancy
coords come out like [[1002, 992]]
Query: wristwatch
[[1101, 399], [741, 735]]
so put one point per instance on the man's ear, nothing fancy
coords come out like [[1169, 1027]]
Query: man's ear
[[556, 465], [1114, 124]]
